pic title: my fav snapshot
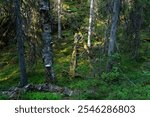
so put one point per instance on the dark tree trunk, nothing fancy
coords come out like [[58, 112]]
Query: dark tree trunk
[[32, 56], [20, 41], [47, 40], [134, 28]]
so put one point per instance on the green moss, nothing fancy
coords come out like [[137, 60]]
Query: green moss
[[41, 96]]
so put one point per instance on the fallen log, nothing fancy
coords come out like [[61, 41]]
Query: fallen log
[[15, 92]]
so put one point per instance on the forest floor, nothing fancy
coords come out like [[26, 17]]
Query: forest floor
[[133, 82]]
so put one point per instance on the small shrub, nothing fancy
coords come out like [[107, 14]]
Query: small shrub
[[112, 76]]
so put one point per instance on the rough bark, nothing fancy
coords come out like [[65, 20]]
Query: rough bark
[[32, 56], [15, 92], [106, 38], [47, 40], [20, 42], [112, 41], [134, 27]]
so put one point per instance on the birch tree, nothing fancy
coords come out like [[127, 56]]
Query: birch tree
[[59, 19], [112, 41], [47, 39], [90, 22], [20, 42]]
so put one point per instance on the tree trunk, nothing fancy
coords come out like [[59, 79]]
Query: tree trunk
[[115, 16], [47, 40], [59, 19], [32, 56], [90, 22], [135, 27], [20, 42], [74, 58]]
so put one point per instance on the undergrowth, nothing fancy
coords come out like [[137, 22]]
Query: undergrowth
[[129, 79]]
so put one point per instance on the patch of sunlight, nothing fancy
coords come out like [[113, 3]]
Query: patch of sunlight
[[65, 6], [63, 44], [64, 59], [64, 50], [9, 76], [101, 43], [85, 62], [100, 23]]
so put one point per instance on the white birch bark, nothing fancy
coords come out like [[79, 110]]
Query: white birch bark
[[59, 19], [90, 22]]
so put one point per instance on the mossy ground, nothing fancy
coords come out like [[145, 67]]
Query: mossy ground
[[133, 83], [129, 80]]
